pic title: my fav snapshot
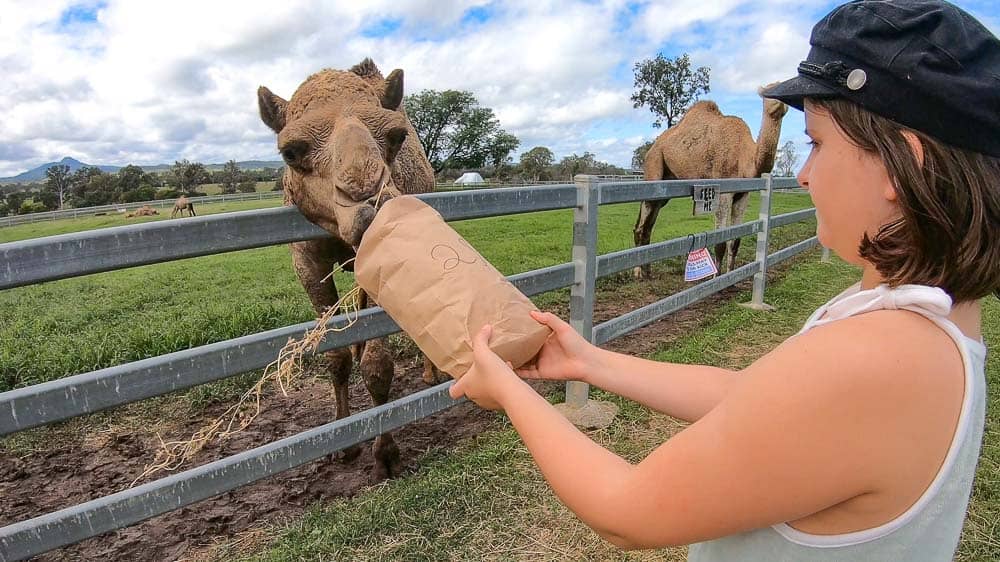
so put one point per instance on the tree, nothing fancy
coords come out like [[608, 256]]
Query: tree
[[535, 161], [188, 175], [668, 86], [784, 164], [57, 180], [453, 129], [573, 165], [247, 185], [501, 145], [90, 186], [639, 155], [230, 177]]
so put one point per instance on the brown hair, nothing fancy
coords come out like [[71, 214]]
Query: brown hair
[[949, 232]]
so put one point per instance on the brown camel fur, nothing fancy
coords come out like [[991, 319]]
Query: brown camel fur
[[181, 205], [348, 146], [144, 211], [708, 144]]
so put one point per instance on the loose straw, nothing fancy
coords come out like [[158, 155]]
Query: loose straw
[[284, 371]]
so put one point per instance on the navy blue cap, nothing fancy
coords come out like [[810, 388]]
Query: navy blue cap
[[924, 64]]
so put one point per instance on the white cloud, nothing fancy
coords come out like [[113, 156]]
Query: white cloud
[[154, 81]]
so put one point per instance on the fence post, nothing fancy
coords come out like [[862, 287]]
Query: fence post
[[578, 408], [825, 258], [763, 237]]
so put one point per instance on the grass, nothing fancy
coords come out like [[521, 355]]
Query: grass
[[72, 326], [487, 500]]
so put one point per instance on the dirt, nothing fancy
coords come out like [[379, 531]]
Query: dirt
[[82, 466]]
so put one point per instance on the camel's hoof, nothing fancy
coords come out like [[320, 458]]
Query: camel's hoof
[[387, 460], [640, 274], [347, 455]]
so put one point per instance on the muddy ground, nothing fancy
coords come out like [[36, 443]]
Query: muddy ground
[[76, 465]]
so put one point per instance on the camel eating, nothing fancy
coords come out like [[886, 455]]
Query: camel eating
[[182, 205], [348, 146]]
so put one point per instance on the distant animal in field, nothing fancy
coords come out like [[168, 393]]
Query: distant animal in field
[[181, 205], [708, 144], [144, 211]]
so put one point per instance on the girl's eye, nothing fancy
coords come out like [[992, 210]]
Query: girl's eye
[[812, 144]]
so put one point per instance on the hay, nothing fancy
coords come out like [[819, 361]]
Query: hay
[[283, 372]]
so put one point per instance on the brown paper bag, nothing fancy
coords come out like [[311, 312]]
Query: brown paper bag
[[440, 290]]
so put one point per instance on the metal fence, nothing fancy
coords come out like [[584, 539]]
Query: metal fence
[[116, 208], [58, 257]]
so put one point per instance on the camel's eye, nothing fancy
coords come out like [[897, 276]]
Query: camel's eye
[[294, 153]]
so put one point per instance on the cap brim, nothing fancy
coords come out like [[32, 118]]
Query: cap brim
[[795, 90]]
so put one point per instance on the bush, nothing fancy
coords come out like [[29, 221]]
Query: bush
[[144, 193], [247, 186], [167, 194]]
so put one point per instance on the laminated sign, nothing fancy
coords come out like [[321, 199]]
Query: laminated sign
[[440, 290], [699, 265]]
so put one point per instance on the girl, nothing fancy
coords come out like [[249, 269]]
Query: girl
[[856, 439]]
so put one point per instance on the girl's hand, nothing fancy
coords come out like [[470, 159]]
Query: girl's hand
[[564, 356], [489, 377]]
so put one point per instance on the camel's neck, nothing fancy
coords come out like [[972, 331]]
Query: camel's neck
[[767, 143]]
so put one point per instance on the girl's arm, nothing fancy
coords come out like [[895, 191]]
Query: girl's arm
[[824, 418], [686, 392]]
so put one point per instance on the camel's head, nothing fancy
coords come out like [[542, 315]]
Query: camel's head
[[339, 136], [772, 108]]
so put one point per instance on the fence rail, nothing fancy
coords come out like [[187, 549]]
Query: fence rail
[[59, 257]]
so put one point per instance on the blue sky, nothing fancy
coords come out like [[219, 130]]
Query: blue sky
[[115, 82]]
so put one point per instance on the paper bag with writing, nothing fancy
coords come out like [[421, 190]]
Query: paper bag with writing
[[440, 290]]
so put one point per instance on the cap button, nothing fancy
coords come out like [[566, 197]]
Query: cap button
[[856, 79]]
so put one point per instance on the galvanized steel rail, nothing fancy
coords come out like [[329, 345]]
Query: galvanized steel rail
[[79, 254]]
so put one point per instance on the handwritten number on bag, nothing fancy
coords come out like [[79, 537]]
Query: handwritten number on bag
[[450, 256]]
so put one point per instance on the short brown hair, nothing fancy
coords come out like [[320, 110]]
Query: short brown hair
[[949, 232]]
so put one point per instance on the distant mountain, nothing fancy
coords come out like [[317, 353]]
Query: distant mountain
[[38, 174]]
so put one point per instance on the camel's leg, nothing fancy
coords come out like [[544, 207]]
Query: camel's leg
[[314, 260], [432, 375], [740, 203], [191, 208], [377, 372], [723, 218], [643, 230]]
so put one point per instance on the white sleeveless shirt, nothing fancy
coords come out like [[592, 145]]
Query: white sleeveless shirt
[[930, 529]]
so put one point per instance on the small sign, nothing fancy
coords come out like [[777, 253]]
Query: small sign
[[706, 198], [699, 265]]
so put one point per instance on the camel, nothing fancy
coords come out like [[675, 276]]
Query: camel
[[182, 204], [708, 144], [144, 211], [348, 146]]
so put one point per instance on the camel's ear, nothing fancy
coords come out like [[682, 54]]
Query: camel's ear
[[272, 109], [393, 94]]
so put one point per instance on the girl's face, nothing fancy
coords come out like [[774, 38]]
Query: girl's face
[[849, 187]]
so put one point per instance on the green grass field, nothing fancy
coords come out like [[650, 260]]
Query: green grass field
[[487, 500], [77, 325]]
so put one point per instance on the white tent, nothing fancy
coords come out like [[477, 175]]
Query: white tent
[[470, 177]]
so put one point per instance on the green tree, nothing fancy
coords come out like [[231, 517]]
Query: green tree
[[784, 164], [572, 165], [230, 177], [248, 185], [188, 175], [501, 146], [90, 186], [639, 155], [57, 180], [535, 161], [454, 131], [131, 178], [668, 86]]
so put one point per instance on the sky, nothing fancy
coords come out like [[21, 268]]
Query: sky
[[150, 82]]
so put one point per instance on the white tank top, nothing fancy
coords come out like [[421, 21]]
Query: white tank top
[[930, 529]]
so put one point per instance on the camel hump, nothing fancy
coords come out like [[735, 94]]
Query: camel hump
[[704, 106], [366, 69]]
